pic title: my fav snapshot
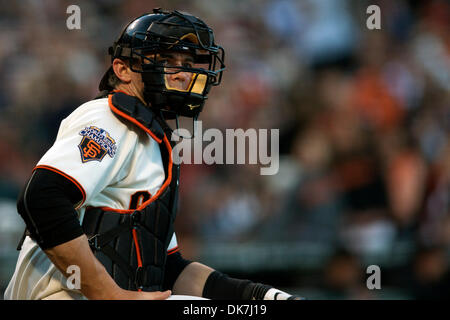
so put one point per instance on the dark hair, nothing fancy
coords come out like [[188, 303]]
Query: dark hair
[[113, 80]]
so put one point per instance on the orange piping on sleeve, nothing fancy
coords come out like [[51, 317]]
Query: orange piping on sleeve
[[74, 181]]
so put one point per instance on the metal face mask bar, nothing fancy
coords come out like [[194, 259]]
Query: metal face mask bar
[[162, 32]]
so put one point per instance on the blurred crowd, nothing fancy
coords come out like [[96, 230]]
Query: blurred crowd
[[364, 119]]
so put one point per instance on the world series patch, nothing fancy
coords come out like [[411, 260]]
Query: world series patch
[[96, 143]]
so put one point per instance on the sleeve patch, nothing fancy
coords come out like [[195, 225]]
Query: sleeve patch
[[95, 144]]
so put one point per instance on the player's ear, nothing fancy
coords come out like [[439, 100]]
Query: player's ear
[[122, 70]]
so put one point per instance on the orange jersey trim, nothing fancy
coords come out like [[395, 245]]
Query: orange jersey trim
[[168, 180], [168, 146], [173, 250], [74, 181], [120, 113], [122, 211]]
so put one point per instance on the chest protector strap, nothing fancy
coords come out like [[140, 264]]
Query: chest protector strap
[[132, 244]]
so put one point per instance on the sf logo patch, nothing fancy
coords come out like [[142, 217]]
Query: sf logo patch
[[96, 143], [91, 150]]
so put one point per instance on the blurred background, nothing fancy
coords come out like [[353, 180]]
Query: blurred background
[[364, 119]]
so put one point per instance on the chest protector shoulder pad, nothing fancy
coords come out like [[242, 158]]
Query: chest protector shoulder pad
[[132, 244]]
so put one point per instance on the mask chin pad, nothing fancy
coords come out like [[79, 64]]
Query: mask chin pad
[[199, 83]]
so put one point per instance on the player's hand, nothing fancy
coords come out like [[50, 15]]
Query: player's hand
[[135, 295]]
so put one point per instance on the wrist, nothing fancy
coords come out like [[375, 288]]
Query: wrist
[[219, 286], [101, 286], [275, 294], [259, 291], [103, 292]]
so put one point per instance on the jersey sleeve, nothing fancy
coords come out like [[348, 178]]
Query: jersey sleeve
[[90, 149]]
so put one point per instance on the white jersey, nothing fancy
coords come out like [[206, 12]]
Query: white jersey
[[113, 166]]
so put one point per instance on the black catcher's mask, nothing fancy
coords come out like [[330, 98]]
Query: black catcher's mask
[[159, 32]]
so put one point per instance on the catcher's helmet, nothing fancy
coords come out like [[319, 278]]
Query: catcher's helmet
[[153, 33]]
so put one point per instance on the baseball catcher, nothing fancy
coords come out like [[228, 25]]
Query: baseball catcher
[[104, 196]]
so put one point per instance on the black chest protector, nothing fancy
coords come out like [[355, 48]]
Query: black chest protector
[[132, 244]]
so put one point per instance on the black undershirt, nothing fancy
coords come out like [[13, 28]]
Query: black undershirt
[[46, 204]]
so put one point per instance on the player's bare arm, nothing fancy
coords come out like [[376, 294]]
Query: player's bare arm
[[192, 279], [96, 283]]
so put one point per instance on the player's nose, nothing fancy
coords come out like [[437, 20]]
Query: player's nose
[[180, 76], [180, 80]]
